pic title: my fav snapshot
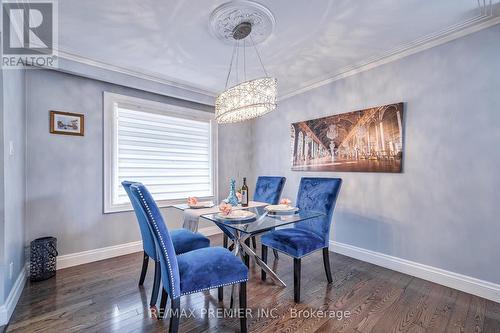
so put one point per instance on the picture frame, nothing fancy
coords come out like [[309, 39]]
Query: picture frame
[[368, 140], [66, 123]]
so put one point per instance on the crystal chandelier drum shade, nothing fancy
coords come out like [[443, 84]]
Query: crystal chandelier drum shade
[[247, 100]]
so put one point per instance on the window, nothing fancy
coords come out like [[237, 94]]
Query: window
[[170, 149]]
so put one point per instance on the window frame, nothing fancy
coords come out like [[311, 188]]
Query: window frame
[[110, 144]]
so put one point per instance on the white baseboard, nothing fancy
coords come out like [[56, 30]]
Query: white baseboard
[[8, 307], [85, 257], [453, 280]]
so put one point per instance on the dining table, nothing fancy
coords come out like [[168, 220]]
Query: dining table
[[240, 231], [192, 215]]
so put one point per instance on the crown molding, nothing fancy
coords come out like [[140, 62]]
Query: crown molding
[[446, 35], [65, 55], [451, 33]]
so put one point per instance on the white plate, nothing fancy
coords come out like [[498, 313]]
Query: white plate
[[280, 208], [237, 215], [203, 204]]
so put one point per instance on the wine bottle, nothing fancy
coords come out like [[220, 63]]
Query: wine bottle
[[244, 193]]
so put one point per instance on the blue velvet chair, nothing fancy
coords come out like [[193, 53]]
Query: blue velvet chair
[[306, 237], [183, 240], [190, 272], [267, 189]]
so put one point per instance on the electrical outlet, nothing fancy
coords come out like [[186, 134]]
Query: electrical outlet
[[11, 270], [11, 148]]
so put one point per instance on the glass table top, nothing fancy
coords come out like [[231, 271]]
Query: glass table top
[[214, 206], [263, 221]]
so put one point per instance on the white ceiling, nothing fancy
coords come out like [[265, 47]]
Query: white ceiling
[[313, 39]]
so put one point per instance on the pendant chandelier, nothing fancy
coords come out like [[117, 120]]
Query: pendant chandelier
[[250, 98]]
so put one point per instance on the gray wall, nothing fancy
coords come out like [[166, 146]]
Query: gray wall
[[235, 156], [443, 209], [65, 173], [14, 174], [2, 197]]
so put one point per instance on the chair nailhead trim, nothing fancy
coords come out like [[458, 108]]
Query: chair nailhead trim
[[220, 285], [162, 243]]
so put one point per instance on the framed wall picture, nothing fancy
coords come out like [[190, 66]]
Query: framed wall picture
[[66, 123], [369, 140]]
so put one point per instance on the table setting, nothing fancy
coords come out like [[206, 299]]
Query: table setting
[[240, 220]]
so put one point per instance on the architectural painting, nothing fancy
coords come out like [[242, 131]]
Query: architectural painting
[[369, 140]]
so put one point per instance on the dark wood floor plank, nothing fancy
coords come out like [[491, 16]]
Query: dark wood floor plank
[[404, 313], [47, 319], [492, 317], [458, 317], [438, 308], [475, 316], [104, 297], [362, 307], [321, 296], [348, 304]]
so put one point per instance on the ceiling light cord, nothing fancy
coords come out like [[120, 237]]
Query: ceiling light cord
[[237, 60], [230, 66], [258, 55], [244, 61]]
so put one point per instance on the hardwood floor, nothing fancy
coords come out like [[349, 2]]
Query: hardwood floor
[[104, 297]]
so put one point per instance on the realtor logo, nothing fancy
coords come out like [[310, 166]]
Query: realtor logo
[[29, 34]]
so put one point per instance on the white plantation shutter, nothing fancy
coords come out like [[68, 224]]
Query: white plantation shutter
[[169, 152]]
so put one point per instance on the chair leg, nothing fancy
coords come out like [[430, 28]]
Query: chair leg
[[296, 280], [231, 302], [243, 307], [264, 259], [163, 303], [224, 240], [245, 256], [254, 242], [144, 269], [220, 294], [156, 284], [175, 315], [326, 262], [276, 256]]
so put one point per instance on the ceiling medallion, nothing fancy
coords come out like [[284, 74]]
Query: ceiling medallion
[[225, 18]]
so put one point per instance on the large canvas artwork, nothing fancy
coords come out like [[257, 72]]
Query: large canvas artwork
[[369, 140]]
